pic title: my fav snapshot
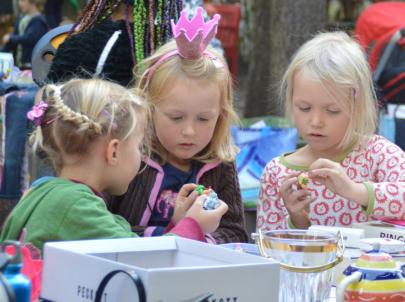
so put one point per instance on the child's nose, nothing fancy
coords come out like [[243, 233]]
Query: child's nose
[[188, 129], [317, 120]]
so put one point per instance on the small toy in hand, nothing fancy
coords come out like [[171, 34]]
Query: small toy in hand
[[200, 189], [303, 180], [211, 200]]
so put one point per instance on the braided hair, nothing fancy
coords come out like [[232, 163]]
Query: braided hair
[[80, 112], [151, 21]]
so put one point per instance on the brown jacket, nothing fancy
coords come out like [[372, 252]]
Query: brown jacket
[[136, 205]]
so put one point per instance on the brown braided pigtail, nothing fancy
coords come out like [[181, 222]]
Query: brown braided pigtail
[[90, 16]]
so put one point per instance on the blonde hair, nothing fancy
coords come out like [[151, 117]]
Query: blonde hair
[[164, 76], [339, 63], [81, 111]]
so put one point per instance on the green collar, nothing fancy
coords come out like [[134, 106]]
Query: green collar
[[337, 159]]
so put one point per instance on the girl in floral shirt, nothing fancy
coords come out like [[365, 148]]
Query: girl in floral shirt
[[354, 175]]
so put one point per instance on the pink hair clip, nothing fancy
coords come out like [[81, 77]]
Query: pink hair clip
[[36, 114], [192, 38]]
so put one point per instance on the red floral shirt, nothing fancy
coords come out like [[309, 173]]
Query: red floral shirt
[[380, 165]]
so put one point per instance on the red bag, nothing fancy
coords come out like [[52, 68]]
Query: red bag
[[380, 29]]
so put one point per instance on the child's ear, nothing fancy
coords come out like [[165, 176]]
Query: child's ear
[[112, 151]]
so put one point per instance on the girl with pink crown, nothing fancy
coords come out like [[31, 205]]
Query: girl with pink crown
[[189, 87]]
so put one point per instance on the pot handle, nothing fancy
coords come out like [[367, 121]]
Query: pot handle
[[340, 291]]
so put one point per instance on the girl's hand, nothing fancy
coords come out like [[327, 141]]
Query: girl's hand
[[332, 175], [184, 200], [207, 219], [296, 201]]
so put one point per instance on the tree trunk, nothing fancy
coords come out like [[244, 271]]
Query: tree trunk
[[279, 27]]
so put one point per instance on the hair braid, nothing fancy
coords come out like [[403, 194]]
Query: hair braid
[[131, 37], [83, 111], [152, 27], [65, 113], [83, 17], [110, 7], [90, 15], [101, 10]]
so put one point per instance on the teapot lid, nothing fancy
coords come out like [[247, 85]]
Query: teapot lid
[[376, 259]]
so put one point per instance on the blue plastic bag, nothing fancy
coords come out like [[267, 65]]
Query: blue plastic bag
[[257, 147], [392, 124], [386, 126]]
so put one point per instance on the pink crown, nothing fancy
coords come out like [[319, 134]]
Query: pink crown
[[192, 37]]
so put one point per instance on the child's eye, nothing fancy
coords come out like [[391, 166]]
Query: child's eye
[[203, 119], [176, 118], [330, 111], [304, 109]]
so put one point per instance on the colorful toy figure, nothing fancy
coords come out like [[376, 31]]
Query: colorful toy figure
[[303, 180], [200, 189], [211, 201]]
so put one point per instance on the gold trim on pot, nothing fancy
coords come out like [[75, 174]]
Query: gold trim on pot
[[315, 247]]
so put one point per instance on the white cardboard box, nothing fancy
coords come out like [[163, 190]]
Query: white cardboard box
[[379, 229], [351, 237], [171, 269]]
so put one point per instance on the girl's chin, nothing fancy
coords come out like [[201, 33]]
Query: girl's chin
[[184, 155], [117, 191]]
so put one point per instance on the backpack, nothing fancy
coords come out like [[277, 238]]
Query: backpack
[[380, 29]]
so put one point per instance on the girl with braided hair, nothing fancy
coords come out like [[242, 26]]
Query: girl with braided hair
[[93, 131], [111, 36]]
